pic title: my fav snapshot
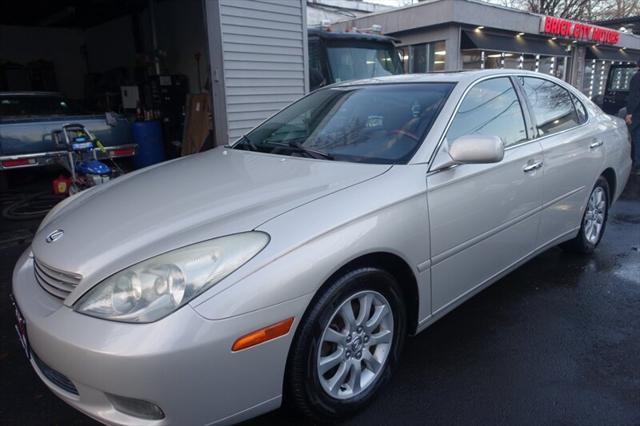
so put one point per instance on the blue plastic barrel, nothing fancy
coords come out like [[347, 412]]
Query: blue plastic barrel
[[148, 136]]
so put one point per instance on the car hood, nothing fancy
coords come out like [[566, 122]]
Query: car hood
[[178, 203]]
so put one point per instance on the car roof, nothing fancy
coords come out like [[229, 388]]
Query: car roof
[[466, 76]]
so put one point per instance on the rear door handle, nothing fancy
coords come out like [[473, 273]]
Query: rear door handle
[[533, 166], [596, 143]]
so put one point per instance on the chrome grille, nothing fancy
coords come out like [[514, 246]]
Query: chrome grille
[[53, 281]]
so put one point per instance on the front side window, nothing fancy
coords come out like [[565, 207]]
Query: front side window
[[370, 124], [551, 105], [490, 108]]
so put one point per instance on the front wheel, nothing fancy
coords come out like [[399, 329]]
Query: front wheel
[[347, 345], [594, 220]]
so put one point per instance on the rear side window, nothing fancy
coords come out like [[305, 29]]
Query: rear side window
[[580, 110], [551, 105], [490, 108]]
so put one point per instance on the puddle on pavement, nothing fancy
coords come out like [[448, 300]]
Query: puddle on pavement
[[627, 218]]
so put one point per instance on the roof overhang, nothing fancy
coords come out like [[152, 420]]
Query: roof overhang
[[482, 40], [613, 54]]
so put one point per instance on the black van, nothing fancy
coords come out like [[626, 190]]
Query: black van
[[341, 56]]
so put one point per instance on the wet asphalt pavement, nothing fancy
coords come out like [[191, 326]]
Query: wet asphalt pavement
[[556, 342]]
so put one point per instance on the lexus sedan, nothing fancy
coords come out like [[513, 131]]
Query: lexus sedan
[[291, 265]]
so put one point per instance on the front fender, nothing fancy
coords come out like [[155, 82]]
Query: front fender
[[310, 243]]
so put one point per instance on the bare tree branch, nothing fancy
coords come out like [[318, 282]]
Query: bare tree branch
[[585, 10]]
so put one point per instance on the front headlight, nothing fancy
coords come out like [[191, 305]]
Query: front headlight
[[154, 288]]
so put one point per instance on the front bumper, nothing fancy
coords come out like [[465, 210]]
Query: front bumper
[[183, 363]]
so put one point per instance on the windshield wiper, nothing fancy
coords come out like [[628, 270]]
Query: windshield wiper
[[310, 152], [245, 141]]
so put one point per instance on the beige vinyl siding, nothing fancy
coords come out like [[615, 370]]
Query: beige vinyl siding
[[263, 50]]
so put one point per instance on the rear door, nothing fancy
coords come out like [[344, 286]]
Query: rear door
[[573, 154], [484, 217]]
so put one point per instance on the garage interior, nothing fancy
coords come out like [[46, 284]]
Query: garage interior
[[145, 60], [139, 58]]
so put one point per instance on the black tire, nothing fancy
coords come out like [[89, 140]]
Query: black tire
[[303, 390], [581, 244]]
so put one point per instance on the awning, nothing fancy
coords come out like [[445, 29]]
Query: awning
[[481, 40], [613, 54]]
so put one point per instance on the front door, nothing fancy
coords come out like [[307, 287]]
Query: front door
[[484, 217]]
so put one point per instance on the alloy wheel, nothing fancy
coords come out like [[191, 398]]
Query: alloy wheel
[[355, 344], [595, 215]]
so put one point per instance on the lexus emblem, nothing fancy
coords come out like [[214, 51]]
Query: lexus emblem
[[55, 235]]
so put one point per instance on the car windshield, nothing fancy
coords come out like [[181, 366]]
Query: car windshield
[[382, 124], [367, 61], [35, 105]]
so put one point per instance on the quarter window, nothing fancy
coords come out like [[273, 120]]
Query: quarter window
[[490, 108], [551, 105], [580, 109]]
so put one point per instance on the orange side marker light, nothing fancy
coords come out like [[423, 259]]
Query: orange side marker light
[[263, 335]]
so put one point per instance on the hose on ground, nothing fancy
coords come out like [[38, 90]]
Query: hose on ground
[[29, 207]]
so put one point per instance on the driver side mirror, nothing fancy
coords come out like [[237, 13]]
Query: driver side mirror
[[470, 149], [477, 149]]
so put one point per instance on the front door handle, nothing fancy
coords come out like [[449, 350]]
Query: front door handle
[[533, 166], [596, 143]]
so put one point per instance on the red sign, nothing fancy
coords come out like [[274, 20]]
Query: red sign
[[578, 30]]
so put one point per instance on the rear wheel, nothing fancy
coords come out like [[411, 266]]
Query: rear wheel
[[347, 345], [594, 220]]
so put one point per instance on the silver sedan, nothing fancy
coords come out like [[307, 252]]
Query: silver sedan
[[291, 265]]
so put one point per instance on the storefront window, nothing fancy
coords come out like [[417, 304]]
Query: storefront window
[[473, 60], [596, 73], [600, 77], [511, 61], [404, 55], [552, 65], [493, 61], [547, 65], [427, 57], [588, 80], [530, 62], [437, 56], [620, 79]]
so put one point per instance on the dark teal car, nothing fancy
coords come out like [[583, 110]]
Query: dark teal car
[[27, 120]]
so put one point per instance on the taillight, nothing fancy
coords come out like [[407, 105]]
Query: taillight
[[123, 152], [18, 162]]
